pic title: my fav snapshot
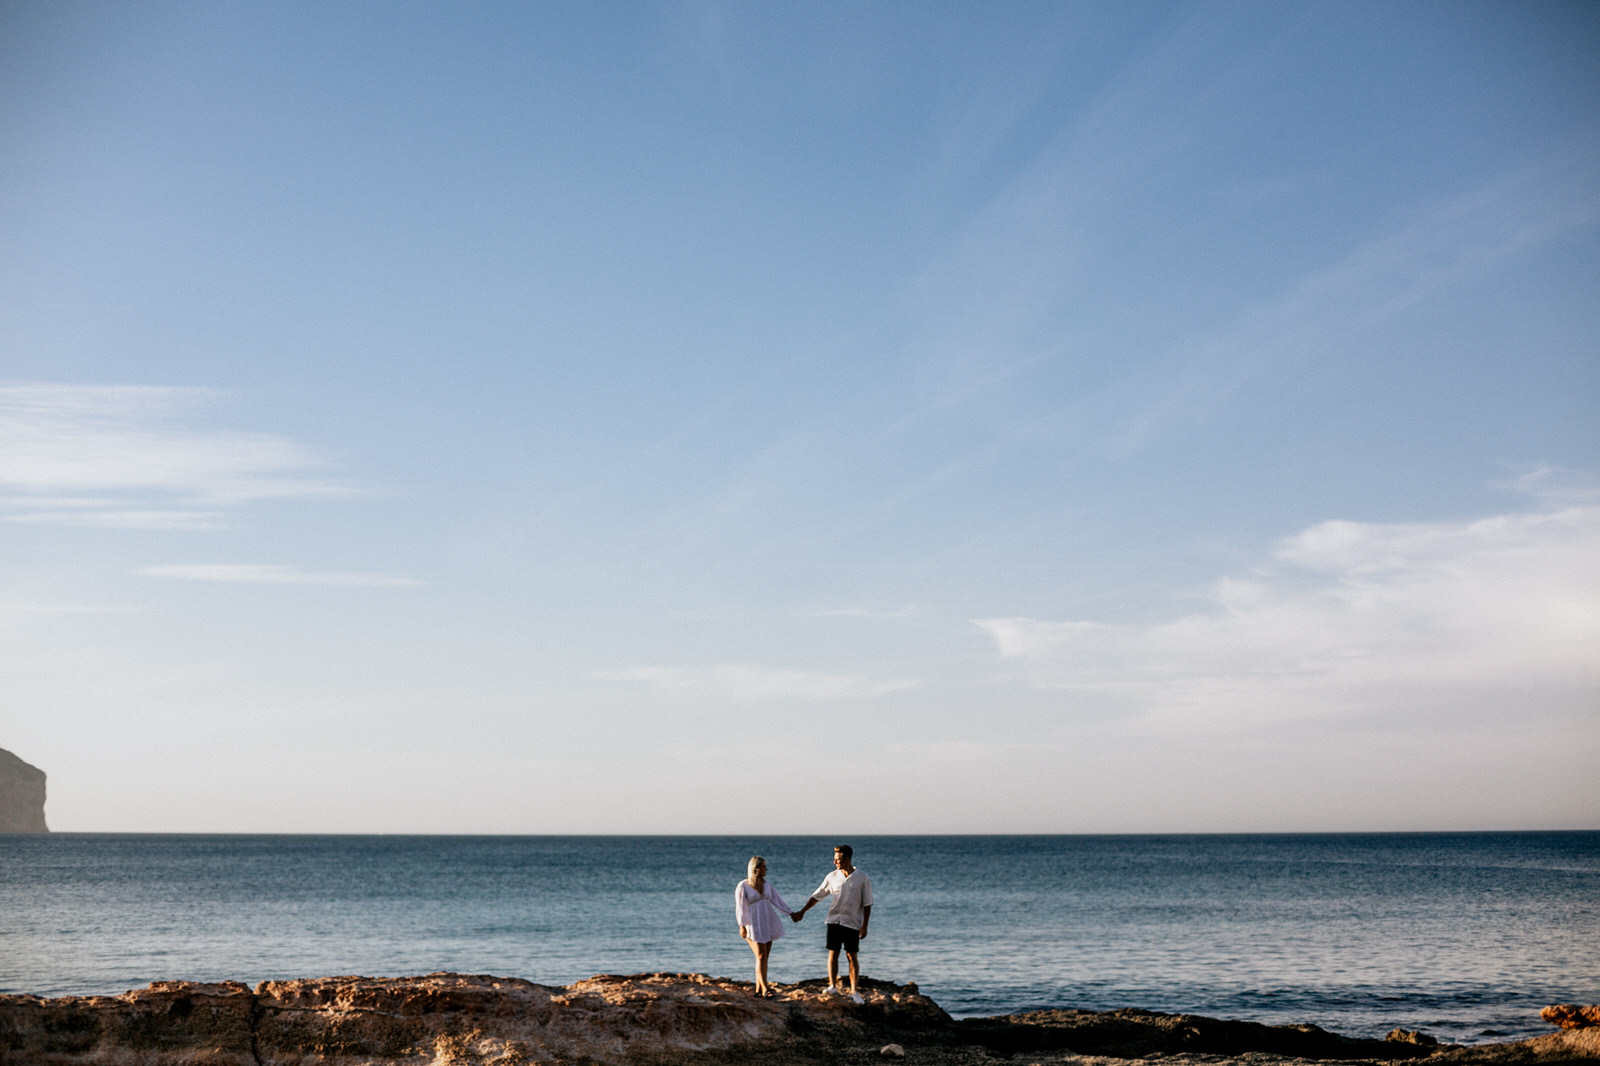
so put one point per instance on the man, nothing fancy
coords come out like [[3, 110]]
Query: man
[[848, 915]]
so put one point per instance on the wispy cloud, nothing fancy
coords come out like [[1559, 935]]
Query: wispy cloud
[[1553, 488], [948, 752], [265, 574], [743, 683], [1484, 619], [66, 608], [115, 519], [908, 611], [1444, 245], [133, 457]]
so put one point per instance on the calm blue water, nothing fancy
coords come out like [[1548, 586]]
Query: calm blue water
[[1463, 935]]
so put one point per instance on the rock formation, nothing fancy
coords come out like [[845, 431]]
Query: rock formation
[[447, 1019], [1570, 1016], [21, 796], [444, 1018]]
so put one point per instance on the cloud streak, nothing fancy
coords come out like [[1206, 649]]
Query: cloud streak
[[130, 457], [742, 683], [1447, 244], [266, 574], [96, 518], [1485, 621]]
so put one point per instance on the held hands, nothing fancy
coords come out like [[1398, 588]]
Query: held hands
[[795, 916]]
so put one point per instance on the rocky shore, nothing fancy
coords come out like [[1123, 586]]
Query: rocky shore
[[446, 1019]]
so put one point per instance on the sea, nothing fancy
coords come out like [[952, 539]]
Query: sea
[[1461, 935]]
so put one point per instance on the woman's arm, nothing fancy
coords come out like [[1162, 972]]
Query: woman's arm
[[777, 899], [741, 908]]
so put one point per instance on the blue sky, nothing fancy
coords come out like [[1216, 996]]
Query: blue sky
[[1105, 417]]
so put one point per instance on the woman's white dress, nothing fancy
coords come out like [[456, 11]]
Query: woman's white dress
[[759, 911]]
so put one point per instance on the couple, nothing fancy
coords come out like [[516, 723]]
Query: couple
[[758, 904]]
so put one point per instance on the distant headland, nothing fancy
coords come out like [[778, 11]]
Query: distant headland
[[21, 796]]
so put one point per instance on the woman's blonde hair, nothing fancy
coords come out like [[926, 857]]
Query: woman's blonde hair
[[755, 860]]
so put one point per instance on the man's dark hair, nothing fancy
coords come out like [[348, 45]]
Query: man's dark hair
[[844, 849]]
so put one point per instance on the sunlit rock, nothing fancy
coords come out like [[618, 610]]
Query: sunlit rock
[[1572, 1016]]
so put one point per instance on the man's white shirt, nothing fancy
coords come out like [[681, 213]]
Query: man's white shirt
[[852, 894]]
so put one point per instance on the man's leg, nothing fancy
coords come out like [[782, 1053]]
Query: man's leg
[[833, 967], [850, 956]]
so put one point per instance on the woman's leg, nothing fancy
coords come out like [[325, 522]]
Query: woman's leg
[[761, 965], [763, 951]]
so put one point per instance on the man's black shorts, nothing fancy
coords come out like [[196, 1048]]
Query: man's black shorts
[[840, 937]]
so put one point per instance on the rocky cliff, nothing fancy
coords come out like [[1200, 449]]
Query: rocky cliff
[[21, 796], [449, 1019]]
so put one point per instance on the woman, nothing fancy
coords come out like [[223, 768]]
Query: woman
[[757, 906]]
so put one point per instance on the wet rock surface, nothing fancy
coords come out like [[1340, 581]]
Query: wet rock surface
[[651, 1020]]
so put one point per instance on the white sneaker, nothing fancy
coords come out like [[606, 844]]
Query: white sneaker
[[833, 990], [855, 997]]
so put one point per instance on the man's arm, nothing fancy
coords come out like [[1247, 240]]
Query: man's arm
[[866, 916], [822, 892]]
